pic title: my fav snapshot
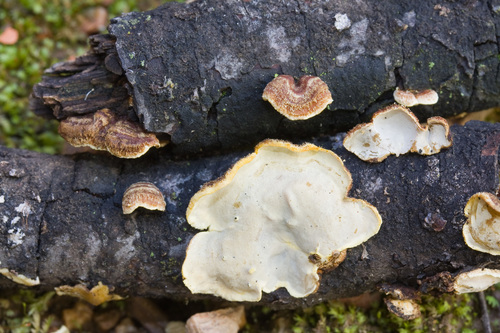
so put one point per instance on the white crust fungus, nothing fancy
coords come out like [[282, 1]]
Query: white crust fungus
[[477, 280], [274, 219], [396, 130], [482, 229]]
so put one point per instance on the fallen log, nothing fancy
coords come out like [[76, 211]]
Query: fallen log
[[62, 220], [196, 72]]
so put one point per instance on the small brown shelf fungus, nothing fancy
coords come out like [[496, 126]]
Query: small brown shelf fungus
[[396, 130], [482, 229], [298, 101], [142, 194], [476, 280], [275, 219], [411, 97], [103, 130]]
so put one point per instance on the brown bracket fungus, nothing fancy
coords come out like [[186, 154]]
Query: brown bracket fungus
[[276, 218], [298, 101], [476, 280], [410, 98], [95, 296], [142, 194], [482, 229], [104, 130], [396, 130]]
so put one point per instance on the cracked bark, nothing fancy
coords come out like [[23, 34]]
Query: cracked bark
[[207, 46], [61, 218]]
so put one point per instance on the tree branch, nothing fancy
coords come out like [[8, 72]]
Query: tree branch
[[61, 218], [196, 72]]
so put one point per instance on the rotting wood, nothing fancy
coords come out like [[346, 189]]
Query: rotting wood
[[197, 71], [62, 219]]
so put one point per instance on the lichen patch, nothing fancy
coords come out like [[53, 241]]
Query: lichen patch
[[355, 44], [280, 45]]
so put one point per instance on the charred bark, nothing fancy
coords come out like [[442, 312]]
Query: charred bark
[[61, 218], [196, 72]]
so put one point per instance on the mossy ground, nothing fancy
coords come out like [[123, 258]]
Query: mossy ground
[[51, 31]]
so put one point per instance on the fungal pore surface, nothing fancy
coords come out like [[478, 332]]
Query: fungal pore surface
[[298, 101], [275, 219], [396, 130], [476, 280], [103, 130], [482, 229]]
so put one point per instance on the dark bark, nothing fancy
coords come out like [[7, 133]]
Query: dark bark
[[74, 230], [196, 72]]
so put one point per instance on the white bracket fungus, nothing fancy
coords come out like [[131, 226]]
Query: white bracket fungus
[[482, 229], [275, 219], [477, 280], [396, 130]]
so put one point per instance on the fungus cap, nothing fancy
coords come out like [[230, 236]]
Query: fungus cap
[[405, 97], [427, 97], [482, 230], [396, 130], [275, 219], [410, 98], [298, 101], [476, 280], [142, 194], [103, 130]]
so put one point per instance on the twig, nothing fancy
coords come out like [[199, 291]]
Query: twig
[[485, 318]]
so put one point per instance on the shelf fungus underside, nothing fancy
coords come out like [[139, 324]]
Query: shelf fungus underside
[[396, 130], [276, 219]]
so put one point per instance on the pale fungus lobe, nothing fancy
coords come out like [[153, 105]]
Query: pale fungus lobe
[[277, 218], [482, 229], [142, 194], [298, 100], [103, 130], [396, 130], [476, 280], [406, 309], [19, 278], [410, 98]]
